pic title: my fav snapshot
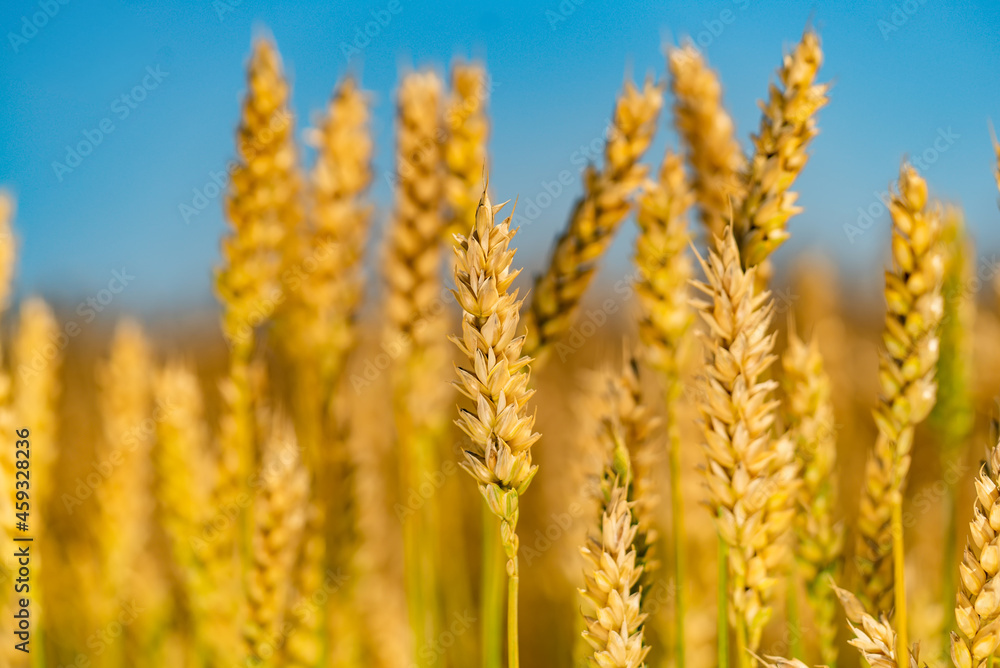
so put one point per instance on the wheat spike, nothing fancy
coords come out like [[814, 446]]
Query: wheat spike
[[665, 268], [612, 595], [977, 605], [496, 382], [8, 248], [787, 126], [810, 423], [595, 218], [906, 378], [465, 148], [874, 638], [327, 292], [748, 476], [707, 132], [279, 516], [413, 264], [185, 472], [262, 205]]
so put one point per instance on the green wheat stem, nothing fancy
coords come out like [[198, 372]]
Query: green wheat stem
[[513, 659], [492, 591]]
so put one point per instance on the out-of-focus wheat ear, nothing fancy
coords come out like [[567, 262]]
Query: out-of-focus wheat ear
[[8, 491], [908, 389], [708, 135], [810, 423], [278, 520], [787, 125], [325, 302], [595, 219], [750, 473], [467, 126], [413, 261], [125, 505], [977, 605], [874, 638], [953, 417], [263, 204], [185, 475], [417, 328], [664, 273]]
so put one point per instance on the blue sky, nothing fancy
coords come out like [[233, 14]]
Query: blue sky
[[905, 74]]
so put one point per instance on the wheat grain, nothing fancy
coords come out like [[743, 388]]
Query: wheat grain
[[279, 515], [977, 605], [708, 135], [810, 424], [465, 148], [747, 475], [595, 219], [787, 126], [906, 379]]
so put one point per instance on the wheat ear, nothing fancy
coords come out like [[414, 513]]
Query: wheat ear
[[263, 204], [468, 127], [8, 425], [595, 219], [707, 133], [810, 423], [185, 472], [907, 390], [747, 473], [787, 126], [664, 272], [279, 516], [496, 381], [125, 505], [977, 605], [874, 639], [612, 593]]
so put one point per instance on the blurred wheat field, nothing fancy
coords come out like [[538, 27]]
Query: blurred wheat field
[[696, 466]]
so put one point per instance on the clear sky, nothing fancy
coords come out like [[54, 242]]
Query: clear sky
[[915, 78]]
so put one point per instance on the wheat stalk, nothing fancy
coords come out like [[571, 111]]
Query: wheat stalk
[[496, 381], [468, 128], [907, 390], [977, 605], [662, 288], [787, 126], [279, 516], [595, 219], [707, 132], [810, 424], [747, 474]]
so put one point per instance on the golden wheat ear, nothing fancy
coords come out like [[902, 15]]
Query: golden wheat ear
[[467, 126], [595, 219], [708, 135]]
